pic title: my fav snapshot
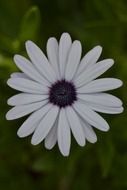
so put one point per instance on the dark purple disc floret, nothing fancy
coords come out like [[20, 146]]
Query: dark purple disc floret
[[62, 93]]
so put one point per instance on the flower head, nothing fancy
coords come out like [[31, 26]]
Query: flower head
[[62, 94]]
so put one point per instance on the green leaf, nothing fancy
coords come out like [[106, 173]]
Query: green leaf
[[30, 25]]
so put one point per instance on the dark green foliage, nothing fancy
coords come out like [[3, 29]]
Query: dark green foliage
[[99, 166]]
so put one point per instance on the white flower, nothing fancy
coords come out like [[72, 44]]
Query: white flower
[[62, 93]]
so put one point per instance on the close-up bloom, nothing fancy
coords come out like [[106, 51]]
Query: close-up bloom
[[62, 94]]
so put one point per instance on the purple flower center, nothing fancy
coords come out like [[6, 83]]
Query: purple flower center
[[62, 93]]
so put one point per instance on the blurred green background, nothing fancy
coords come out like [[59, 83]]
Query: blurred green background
[[99, 166]]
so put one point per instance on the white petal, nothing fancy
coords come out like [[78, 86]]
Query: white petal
[[29, 126], [103, 99], [105, 109], [19, 75], [91, 117], [73, 60], [24, 98], [89, 132], [53, 54], [64, 135], [22, 110], [40, 61], [93, 72], [26, 67], [26, 85], [27, 130], [89, 59], [51, 138], [100, 85], [45, 125], [64, 48], [75, 126]]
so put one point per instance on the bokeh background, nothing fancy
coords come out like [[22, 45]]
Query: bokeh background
[[99, 166]]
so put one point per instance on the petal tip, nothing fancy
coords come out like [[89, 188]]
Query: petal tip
[[48, 147], [94, 141], [111, 61], [15, 57], [122, 109], [99, 48], [82, 144], [9, 102], [77, 43], [65, 154], [28, 43], [106, 128], [66, 36], [8, 81], [20, 134], [121, 82], [51, 39], [34, 141], [8, 116]]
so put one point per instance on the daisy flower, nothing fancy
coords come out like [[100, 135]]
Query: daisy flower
[[61, 93]]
